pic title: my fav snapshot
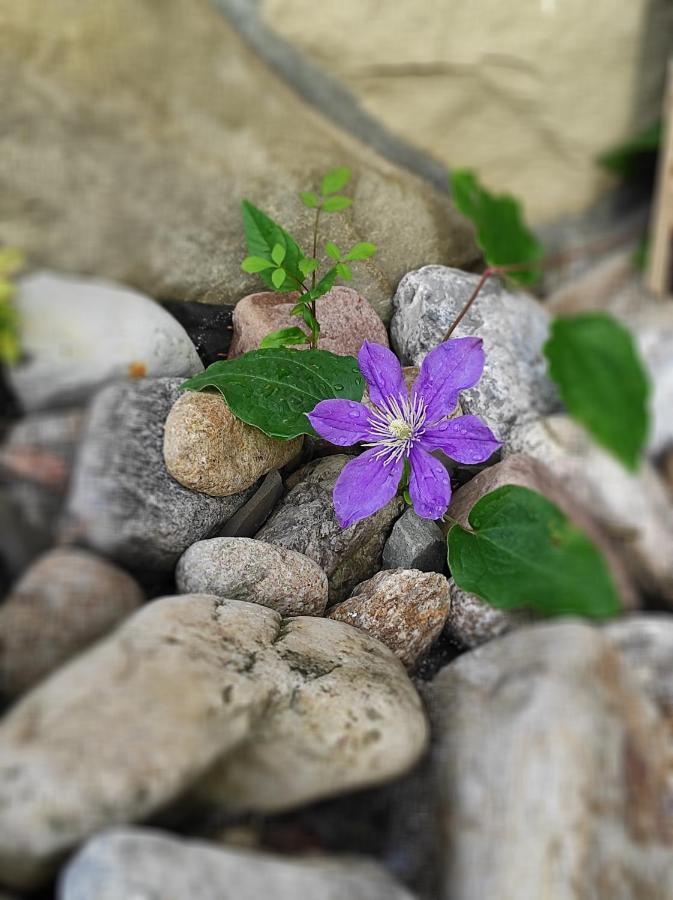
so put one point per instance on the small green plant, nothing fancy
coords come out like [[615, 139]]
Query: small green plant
[[282, 265], [11, 262]]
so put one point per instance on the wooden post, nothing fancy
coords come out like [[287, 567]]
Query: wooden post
[[660, 264]]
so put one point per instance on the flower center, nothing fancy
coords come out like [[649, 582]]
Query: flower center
[[400, 429]]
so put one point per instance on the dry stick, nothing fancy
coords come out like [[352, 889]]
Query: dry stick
[[556, 259]]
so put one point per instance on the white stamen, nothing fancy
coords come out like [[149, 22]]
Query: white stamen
[[396, 426]]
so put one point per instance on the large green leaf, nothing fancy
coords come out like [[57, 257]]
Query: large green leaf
[[501, 231], [523, 551], [262, 235], [274, 389], [602, 381]]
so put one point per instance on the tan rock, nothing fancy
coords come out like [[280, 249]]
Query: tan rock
[[489, 85], [528, 472], [207, 449], [346, 321], [404, 608], [314, 706], [66, 600], [159, 120]]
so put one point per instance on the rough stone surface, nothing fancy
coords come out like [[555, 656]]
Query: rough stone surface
[[514, 386], [415, 543], [653, 330], [349, 719], [483, 97], [278, 712], [247, 521], [207, 449], [404, 608], [36, 458], [528, 472], [472, 621], [209, 327], [346, 321], [304, 521], [254, 571], [143, 113], [122, 500], [633, 509], [78, 334], [65, 601], [549, 772], [127, 863], [20, 542]]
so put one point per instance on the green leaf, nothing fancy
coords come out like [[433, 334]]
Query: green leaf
[[254, 264], [332, 250], [335, 180], [11, 261], [523, 551], [262, 234], [10, 347], [501, 231], [278, 277], [602, 381], [362, 250], [344, 271], [308, 198], [336, 203], [274, 389], [283, 337], [325, 284], [635, 155], [278, 254], [306, 266]]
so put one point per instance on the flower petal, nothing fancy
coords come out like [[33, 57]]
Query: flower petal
[[341, 422], [429, 485], [466, 439], [452, 367], [382, 372], [365, 485]]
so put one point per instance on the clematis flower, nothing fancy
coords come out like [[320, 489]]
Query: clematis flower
[[405, 426]]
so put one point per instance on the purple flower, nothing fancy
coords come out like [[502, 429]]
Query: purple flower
[[405, 427]]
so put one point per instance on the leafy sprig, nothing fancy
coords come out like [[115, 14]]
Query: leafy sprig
[[277, 258]]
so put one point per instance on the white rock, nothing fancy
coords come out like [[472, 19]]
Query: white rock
[[139, 864], [78, 333], [514, 386]]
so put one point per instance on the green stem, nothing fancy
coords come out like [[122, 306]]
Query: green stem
[[315, 331]]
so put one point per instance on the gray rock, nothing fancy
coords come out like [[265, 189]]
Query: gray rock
[[514, 386], [159, 183], [20, 542], [247, 521], [415, 543], [645, 643], [254, 571], [653, 329], [122, 501], [404, 608], [304, 521], [207, 449], [279, 713], [128, 863], [472, 621], [547, 747], [77, 334], [66, 600], [633, 509], [36, 458]]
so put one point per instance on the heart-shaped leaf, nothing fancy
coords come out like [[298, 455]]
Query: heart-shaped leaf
[[602, 381], [523, 551], [274, 389]]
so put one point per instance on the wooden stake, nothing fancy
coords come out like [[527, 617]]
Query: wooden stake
[[660, 264]]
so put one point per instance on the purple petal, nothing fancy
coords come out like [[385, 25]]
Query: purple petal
[[341, 422], [364, 486], [429, 485], [382, 372], [452, 367], [466, 439]]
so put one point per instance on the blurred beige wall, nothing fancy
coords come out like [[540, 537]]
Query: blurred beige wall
[[527, 92]]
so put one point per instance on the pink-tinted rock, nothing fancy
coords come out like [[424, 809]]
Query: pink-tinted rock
[[346, 320]]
